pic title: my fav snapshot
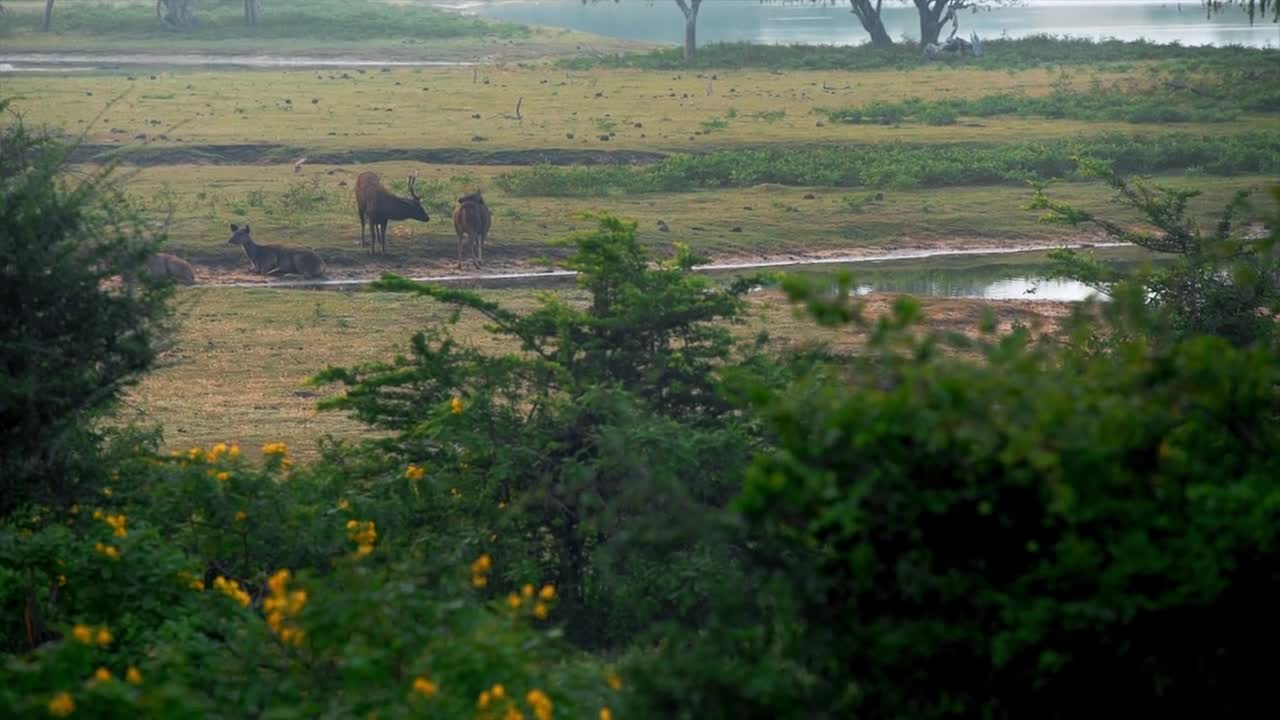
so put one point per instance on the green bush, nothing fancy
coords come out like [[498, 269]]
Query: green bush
[[601, 456], [71, 337], [902, 165]]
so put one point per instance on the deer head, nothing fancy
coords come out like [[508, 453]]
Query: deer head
[[419, 212], [238, 235]]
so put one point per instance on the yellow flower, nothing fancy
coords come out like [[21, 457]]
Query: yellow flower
[[277, 581], [540, 703], [352, 524], [197, 585], [104, 636], [527, 590], [424, 687], [223, 476], [232, 589], [61, 705], [117, 524], [106, 491], [109, 550], [512, 713], [614, 681], [83, 633], [413, 472], [482, 564], [479, 581], [514, 601], [344, 504], [276, 448], [540, 611], [483, 702], [455, 405], [102, 675], [499, 692], [195, 453], [240, 516], [217, 451], [605, 714], [133, 676], [97, 514], [548, 592], [62, 580], [234, 451]]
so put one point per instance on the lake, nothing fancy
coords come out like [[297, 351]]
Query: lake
[[832, 23]]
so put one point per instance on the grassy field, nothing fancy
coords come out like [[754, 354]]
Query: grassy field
[[758, 154], [316, 208], [240, 363], [414, 109]]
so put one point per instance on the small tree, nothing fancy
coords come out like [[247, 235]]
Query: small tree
[[69, 340], [602, 431], [1222, 281]]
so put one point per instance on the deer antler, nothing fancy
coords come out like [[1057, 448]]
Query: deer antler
[[413, 180]]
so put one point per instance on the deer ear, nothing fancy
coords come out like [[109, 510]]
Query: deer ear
[[246, 229], [234, 227]]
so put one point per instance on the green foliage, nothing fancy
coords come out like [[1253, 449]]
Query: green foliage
[[1222, 281], [71, 337], [902, 165], [600, 456], [1163, 100], [1016, 54], [989, 538]]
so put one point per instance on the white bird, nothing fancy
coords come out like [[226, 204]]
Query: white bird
[[297, 164]]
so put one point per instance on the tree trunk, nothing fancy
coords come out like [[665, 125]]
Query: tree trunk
[[690, 10], [48, 16], [251, 11], [932, 19], [869, 16]]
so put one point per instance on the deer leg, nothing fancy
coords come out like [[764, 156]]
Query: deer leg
[[459, 251], [361, 212], [382, 236]]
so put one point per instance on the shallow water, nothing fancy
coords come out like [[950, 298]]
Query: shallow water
[[831, 23]]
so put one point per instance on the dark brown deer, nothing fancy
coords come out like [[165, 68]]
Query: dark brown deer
[[472, 219], [377, 205], [165, 268], [277, 259]]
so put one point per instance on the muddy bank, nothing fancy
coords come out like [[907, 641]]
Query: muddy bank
[[275, 154], [517, 272]]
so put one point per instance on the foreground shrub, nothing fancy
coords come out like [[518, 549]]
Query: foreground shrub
[[69, 340]]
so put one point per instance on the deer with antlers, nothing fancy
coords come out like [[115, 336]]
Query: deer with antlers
[[377, 205], [472, 219]]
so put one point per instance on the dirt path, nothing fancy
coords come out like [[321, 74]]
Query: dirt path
[[519, 272]]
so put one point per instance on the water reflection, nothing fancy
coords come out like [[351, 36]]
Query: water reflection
[[832, 23]]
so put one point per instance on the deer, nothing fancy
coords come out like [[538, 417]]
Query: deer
[[377, 205], [164, 267], [276, 259], [472, 219]]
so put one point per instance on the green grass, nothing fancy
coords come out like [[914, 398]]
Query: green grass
[[1018, 54], [1152, 97], [903, 165]]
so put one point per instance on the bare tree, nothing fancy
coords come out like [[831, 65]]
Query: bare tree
[[937, 14], [48, 16], [252, 11], [690, 9], [1254, 8], [176, 14]]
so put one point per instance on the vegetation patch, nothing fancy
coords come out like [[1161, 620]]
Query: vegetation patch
[[907, 166]]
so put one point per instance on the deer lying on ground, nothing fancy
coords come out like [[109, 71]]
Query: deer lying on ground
[[276, 259], [472, 219], [163, 266], [376, 204]]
